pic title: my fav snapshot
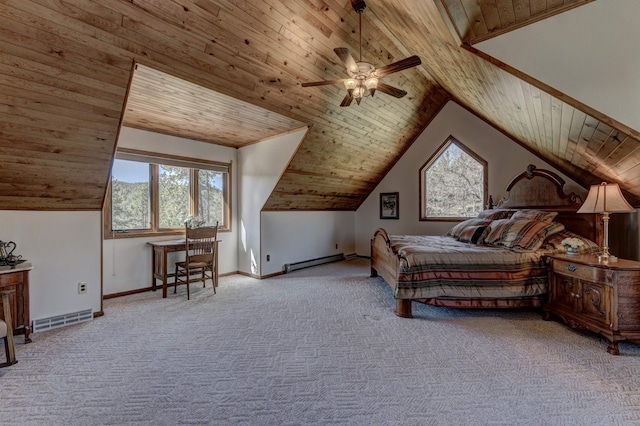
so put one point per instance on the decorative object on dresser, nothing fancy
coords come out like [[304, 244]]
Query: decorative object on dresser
[[16, 279], [6, 254], [592, 295], [572, 245], [6, 331], [605, 198], [496, 260]]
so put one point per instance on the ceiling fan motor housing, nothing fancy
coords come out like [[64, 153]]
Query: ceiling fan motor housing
[[365, 69], [358, 5]]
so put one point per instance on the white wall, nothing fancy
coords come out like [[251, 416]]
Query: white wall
[[505, 158], [64, 249], [286, 237], [289, 237], [589, 53], [259, 168], [127, 261]]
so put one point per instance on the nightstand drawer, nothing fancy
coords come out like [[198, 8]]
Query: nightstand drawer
[[576, 270]]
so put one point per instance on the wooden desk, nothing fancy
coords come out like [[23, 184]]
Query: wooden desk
[[17, 279], [159, 261]]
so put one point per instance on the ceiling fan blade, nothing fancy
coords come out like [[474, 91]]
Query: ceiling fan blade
[[345, 56], [411, 61], [322, 83], [346, 101], [390, 90]]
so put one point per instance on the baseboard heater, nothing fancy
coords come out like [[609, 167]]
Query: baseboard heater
[[290, 267], [61, 320]]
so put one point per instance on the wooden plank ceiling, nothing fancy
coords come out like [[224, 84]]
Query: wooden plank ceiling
[[476, 21], [162, 103], [65, 67]]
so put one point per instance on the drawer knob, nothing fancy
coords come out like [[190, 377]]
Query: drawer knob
[[571, 268]]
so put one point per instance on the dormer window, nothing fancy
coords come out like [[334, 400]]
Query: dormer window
[[453, 183], [152, 194]]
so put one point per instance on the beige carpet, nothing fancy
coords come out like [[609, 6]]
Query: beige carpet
[[318, 346]]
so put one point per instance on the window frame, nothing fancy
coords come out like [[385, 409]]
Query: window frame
[[422, 214], [155, 159]]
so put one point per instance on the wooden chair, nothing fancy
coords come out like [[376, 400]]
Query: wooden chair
[[200, 257], [6, 330]]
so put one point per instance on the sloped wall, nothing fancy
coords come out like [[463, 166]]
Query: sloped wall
[[260, 166], [588, 53]]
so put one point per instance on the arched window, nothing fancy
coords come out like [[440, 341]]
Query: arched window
[[453, 183]]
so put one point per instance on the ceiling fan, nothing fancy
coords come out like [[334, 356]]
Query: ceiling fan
[[364, 78]]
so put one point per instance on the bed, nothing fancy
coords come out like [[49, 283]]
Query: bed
[[496, 260]]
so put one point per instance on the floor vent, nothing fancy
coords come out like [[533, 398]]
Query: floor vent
[[61, 320], [290, 267]]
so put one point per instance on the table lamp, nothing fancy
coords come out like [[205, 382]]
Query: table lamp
[[605, 198]]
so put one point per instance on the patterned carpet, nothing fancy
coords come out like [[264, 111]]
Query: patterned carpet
[[320, 346]]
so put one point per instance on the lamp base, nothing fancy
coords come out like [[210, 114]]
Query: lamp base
[[607, 258]]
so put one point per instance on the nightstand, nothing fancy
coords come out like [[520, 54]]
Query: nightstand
[[596, 296]]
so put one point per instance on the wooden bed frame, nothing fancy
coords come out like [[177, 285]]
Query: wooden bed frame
[[533, 189]]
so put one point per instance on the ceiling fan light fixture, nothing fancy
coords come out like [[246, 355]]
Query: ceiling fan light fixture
[[372, 85], [359, 92], [350, 84]]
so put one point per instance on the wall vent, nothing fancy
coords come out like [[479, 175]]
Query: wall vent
[[350, 256], [61, 320], [290, 267]]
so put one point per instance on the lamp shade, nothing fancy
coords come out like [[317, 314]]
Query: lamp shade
[[605, 197]]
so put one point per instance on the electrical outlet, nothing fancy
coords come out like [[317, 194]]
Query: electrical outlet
[[336, 247], [268, 257], [82, 287]]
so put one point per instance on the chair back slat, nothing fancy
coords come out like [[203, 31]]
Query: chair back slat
[[201, 243], [200, 256]]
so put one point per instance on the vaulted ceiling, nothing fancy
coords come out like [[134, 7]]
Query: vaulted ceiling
[[65, 69]]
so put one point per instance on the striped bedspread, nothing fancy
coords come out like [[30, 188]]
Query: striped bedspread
[[440, 266]]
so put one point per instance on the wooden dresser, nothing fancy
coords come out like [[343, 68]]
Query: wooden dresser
[[18, 279], [601, 297]]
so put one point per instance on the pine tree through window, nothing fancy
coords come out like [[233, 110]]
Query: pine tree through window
[[152, 194], [453, 183]]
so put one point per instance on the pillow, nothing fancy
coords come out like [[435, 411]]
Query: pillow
[[472, 234], [554, 243], [457, 229], [540, 215], [493, 214], [520, 234]]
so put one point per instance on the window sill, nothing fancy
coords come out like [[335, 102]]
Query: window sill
[[150, 234]]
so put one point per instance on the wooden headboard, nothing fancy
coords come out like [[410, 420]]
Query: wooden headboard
[[544, 190]]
